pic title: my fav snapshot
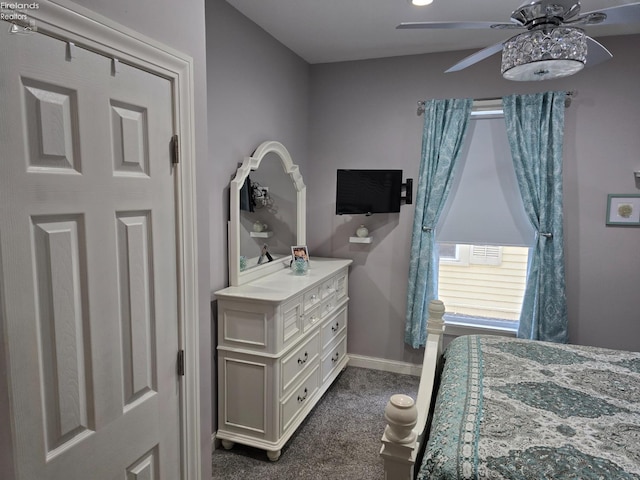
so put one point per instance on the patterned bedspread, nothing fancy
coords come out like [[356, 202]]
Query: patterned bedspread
[[516, 409]]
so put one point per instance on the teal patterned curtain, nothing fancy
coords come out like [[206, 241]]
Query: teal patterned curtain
[[535, 128], [445, 126]]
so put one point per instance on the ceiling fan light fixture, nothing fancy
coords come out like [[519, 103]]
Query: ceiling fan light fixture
[[420, 3], [544, 54]]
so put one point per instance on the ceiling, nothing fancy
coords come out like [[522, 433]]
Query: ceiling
[[324, 31]]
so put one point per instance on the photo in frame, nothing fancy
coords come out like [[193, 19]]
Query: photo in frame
[[300, 252], [623, 209]]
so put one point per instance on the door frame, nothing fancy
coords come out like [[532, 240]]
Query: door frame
[[81, 27]]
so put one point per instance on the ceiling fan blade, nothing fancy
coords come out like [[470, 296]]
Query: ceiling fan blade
[[476, 57], [453, 25], [596, 53], [621, 14]]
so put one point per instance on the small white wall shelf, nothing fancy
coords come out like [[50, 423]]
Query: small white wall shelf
[[360, 239], [261, 234]]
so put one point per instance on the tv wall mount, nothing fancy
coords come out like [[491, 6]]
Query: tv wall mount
[[406, 194], [407, 187]]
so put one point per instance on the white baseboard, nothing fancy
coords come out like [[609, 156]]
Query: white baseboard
[[213, 441], [392, 366]]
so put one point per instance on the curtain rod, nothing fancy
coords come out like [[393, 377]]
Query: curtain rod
[[567, 101]]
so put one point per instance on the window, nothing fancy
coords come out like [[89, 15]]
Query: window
[[449, 252], [488, 289], [460, 254], [483, 234], [453, 254]]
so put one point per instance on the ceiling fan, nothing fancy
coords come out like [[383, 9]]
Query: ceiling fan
[[554, 44]]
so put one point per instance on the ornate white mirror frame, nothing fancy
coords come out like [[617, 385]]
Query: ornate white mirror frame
[[236, 276]]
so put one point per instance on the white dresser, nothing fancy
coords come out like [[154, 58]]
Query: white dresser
[[282, 341]]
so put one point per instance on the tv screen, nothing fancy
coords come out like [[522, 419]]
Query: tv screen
[[246, 196], [368, 191]]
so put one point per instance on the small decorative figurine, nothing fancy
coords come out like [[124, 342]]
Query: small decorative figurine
[[362, 231], [258, 226]]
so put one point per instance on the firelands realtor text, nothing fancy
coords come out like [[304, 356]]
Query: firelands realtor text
[[8, 10]]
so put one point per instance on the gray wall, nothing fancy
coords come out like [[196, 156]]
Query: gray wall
[[182, 28], [364, 116], [257, 90]]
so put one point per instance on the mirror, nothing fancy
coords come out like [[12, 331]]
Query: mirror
[[267, 207]]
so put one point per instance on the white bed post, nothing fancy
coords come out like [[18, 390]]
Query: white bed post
[[406, 419], [399, 438]]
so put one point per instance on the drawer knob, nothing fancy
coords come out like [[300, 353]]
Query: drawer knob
[[334, 359], [303, 397], [303, 360], [335, 327]]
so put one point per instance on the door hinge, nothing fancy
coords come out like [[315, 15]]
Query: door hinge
[[180, 363], [175, 150]]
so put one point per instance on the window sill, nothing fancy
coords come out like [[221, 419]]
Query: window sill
[[457, 325]]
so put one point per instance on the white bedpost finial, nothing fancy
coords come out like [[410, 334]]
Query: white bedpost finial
[[436, 308], [435, 323], [401, 415]]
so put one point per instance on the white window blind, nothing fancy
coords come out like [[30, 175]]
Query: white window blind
[[484, 206], [486, 255]]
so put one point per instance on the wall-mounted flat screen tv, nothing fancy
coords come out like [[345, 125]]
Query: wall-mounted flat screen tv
[[368, 191], [247, 202]]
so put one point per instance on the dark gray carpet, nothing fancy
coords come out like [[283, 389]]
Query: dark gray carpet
[[339, 440]]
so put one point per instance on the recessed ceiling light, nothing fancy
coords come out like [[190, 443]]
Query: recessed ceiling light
[[421, 3]]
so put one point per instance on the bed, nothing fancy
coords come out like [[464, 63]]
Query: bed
[[515, 409]]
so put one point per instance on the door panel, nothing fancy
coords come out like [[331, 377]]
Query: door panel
[[61, 323], [136, 310], [88, 245]]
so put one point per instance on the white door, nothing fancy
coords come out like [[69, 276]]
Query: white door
[[88, 264]]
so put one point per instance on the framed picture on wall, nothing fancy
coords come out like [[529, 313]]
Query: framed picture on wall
[[623, 209]]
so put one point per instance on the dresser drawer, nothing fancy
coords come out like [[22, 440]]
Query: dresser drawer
[[299, 398], [300, 360], [327, 306], [292, 317], [333, 358], [341, 285], [328, 288], [249, 326], [311, 298], [334, 327], [311, 318]]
